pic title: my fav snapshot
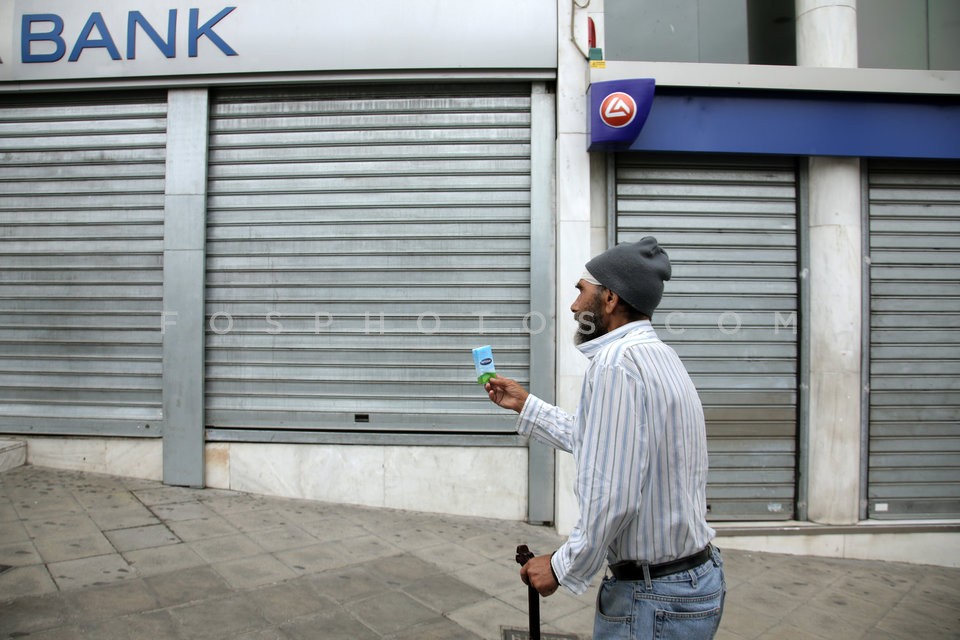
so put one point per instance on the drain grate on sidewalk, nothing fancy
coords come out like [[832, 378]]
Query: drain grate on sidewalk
[[522, 634]]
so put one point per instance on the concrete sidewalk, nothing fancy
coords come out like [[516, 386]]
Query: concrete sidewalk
[[91, 556]]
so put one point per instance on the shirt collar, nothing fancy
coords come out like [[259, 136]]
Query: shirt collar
[[592, 348]]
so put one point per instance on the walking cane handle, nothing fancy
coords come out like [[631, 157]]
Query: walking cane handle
[[523, 554]]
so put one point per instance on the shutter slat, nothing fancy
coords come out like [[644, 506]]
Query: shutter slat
[[730, 311], [359, 245], [914, 412]]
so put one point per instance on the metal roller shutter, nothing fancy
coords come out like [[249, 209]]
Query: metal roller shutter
[[81, 241], [914, 409], [360, 242], [730, 311]]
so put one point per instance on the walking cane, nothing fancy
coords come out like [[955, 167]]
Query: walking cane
[[533, 598]]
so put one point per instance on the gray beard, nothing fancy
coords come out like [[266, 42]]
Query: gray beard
[[589, 328]]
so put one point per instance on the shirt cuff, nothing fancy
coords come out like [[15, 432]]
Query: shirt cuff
[[562, 575], [529, 414]]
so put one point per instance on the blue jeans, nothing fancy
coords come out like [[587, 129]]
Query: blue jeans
[[681, 606]]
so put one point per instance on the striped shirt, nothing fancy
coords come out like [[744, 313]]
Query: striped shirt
[[640, 446]]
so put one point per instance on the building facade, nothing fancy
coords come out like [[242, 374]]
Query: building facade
[[252, 246]]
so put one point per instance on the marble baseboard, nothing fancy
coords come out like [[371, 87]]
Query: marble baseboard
[[13, 453], [128, 457], [911, 547], [476, 481]]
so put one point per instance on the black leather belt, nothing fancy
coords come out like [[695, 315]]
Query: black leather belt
[[633, 570]]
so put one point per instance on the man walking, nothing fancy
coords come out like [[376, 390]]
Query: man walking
[[639, 443]]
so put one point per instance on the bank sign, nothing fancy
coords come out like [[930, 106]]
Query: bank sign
[[617, 111], [97, 39]]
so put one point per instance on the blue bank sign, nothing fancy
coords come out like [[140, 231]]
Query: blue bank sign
[[104, 39], [42, 36], [618, 109]]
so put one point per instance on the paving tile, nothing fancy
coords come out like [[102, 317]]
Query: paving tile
[[871, 591], [72, 525], [742, 567], [486, 618], [222, 618], [856, 610], [202, 528], [390, 612], [759, 597], [161, 494], [451, 557], [156, 560], [444, 593], [117, 497], [346, 584], [139, 484], [152, 625], [494, 578], [83, 545], [884, 574], [312, 559], [579, 623], [19, 554], [335, 625], [402, 569], [263, 634], [496, 545], [413, 538], [224, 548], [937, 589], [7, 511], [89, 605], [96, 571], [230, 502], [66, 632], [816, 621], [363, 549], [876, 634], [304, 511], [744, 621], [910, 625], [24, 615], [248, 521], [288, 536], [13, 532], [255, 571], [723, 634], [442, 629], [30, 580], [789, 632], [56, 506], [188, 585], [126, 517], [280, 603], [559, 605], [180, 511], [328, 529], [155, 535]]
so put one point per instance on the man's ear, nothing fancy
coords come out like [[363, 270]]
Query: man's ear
[[610, 301]]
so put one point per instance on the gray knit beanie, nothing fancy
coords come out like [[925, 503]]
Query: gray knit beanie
[[635, 271]]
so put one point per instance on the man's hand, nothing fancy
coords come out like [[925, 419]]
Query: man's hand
[[538, 574], [506, 393]]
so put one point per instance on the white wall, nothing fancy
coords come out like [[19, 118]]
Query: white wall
[[475, 481]]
